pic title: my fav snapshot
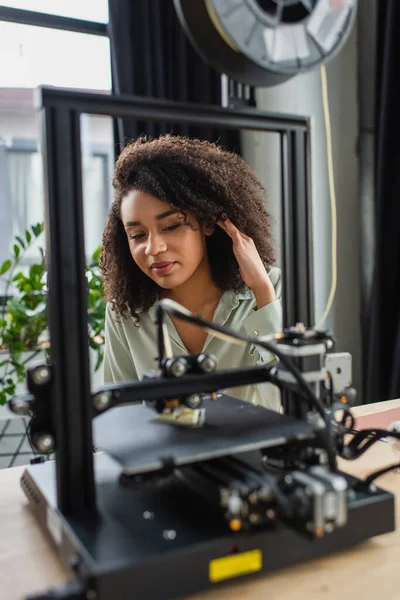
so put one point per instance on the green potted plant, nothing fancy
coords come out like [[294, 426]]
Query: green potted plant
[[23, 313]]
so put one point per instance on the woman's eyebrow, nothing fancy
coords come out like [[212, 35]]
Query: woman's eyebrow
[[166, 214], [157, 217]]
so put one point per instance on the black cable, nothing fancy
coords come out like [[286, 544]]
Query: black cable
[[377, 474], [331, 395], [160, 335], [360, 443], [364, 439], [28, 435], [347, 421], [306, 389]]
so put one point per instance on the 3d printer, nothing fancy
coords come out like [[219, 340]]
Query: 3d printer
[[165, 510]]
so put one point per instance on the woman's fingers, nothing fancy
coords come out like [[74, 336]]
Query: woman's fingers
[[231, 229], [251, 267]]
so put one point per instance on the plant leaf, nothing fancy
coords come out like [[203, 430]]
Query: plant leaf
[[96, 255], [18, 276], [3, 397], [16, 251], [37, 229], [6, 266], [28, 237], [99, 360], [20, 241]]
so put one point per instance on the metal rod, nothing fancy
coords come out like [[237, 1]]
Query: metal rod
[[153, 109], [68, 312], [296, 230], [288, 249], [302, 232], [153, 389]]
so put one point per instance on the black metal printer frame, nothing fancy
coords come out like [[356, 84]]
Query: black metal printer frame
[[61, 141]]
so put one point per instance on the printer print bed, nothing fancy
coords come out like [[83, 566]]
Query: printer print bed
[[140, 443]]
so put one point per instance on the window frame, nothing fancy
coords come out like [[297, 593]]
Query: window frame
[[39, 19], [103, 151]]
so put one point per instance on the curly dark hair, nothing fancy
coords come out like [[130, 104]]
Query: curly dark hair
[[189, 174]]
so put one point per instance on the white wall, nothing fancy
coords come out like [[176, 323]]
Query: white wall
[[302, 95], [19, 125]]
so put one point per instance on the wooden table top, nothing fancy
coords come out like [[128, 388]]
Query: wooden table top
[[28, 564]]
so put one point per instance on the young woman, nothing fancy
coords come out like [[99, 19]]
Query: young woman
[[189, 222]]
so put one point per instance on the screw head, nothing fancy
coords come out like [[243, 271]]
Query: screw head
[[193, 401], [288, 479], [169, 534], [207, 363], [44, 443], [178, 367], [254, 518], [41, 375], [19, 406], [101, 401]]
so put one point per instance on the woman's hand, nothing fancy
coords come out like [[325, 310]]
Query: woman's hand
[[251, 267]]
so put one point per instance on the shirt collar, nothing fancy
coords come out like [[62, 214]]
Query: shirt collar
[[229, 301], [153, 312]]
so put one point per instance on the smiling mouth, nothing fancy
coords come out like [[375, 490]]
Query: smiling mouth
[[162, 268]]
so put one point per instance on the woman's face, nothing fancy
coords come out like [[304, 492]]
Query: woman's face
[[167, 245]]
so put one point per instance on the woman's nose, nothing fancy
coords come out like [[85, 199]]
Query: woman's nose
[[155, 245]]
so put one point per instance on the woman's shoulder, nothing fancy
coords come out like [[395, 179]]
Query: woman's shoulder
[[275, 275]]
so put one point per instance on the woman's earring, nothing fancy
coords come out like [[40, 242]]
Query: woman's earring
[[209, 229]]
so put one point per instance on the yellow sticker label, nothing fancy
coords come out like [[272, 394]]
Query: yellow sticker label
[[235, 565]]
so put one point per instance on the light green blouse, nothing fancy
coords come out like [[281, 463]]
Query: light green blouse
[[130, 349]]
